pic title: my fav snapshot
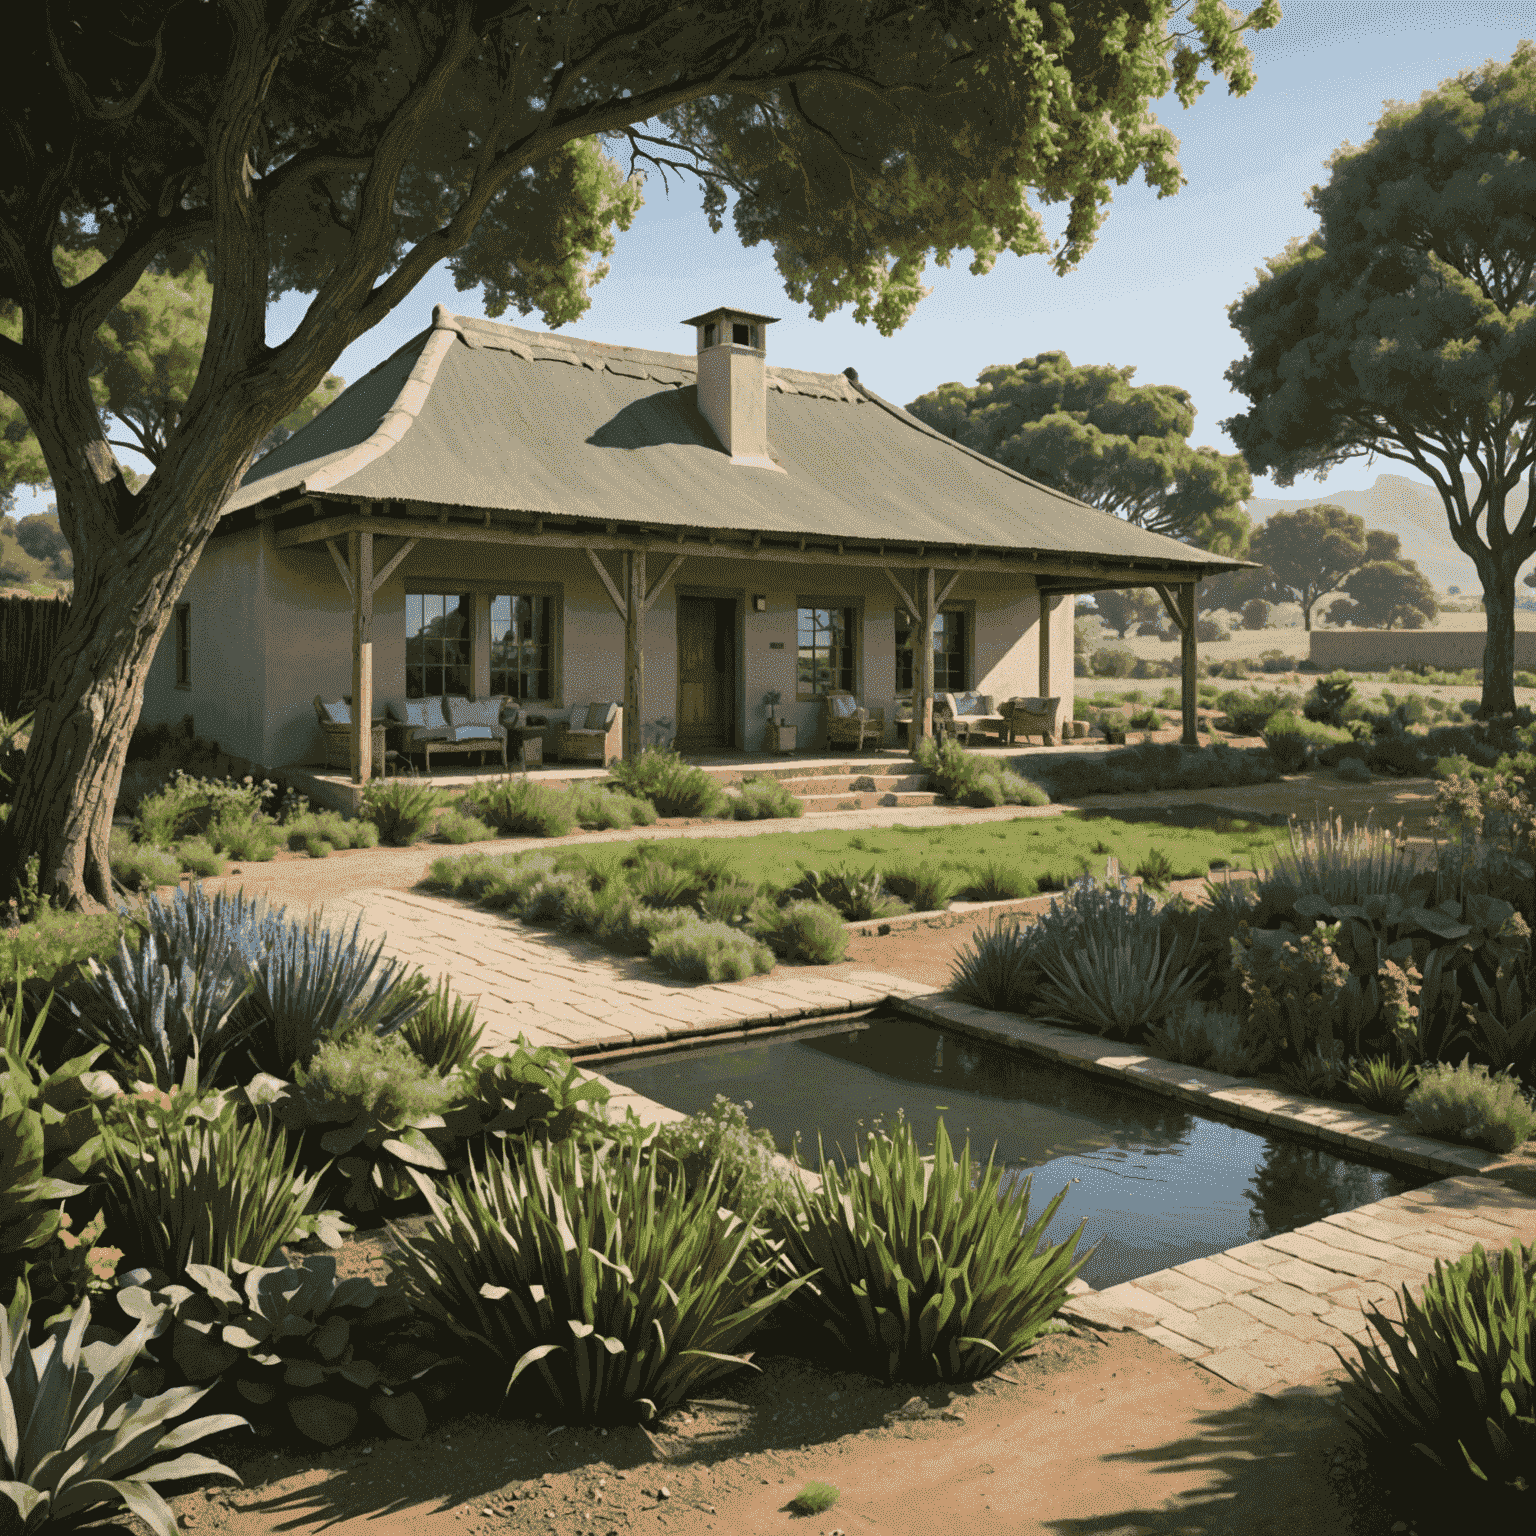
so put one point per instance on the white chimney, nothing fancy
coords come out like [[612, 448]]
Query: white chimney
[[733, 382]]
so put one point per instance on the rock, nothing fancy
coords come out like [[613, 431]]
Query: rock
[[913, 1408], [663, 1493], [953, 1416]]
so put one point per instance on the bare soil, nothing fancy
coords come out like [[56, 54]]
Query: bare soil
[[1090, 1434]]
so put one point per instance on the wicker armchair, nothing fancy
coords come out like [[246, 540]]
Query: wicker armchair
[[1032, 717], [849, 725], [336, 725]]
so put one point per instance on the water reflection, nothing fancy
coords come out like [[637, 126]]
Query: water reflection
[[1157, 1184]]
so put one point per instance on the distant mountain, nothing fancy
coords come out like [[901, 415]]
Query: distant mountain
[[1411, 510]]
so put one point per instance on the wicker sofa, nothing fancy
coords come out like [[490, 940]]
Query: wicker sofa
[[449, 724], [963, 715]]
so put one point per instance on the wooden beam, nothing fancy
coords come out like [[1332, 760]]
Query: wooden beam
[[394, 560], [1171, 603], [907, 601], [1189, 665], [672, 569], [922, 654], [613, 591], [341, 564], [1049, 602], [948, 587], [1064, 568], [634, 652], [360, 558]]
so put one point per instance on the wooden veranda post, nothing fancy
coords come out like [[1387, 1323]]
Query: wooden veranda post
[[360, 565], [1049, 601], [634, 652], [922, 654], [1180, 602]]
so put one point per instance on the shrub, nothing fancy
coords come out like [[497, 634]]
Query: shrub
[[928, 1269], [705, 951], [815, 1499], [402, 811], [185, 806], [1151, 766], [925, 887], [456, 826], [1462, 1103], [858, 895], [1278, 661], [79, 1440], [1343, 867], [597, 808], [521, 808], [1378, 1084], [213, 1193], [1211, 631], [997, 968], [660, 885], [137, 866], [996, 881], [316, 984], [1454, 1414], [1294, 983], [674, 787], [1330, 697], [55, 941], [1293, 741], [763, 799], [444, 1034], [527, 1092], [1353, 770], [1248, 711], [1155, 871], [198, 855], [288, 1340], [249, 842], [751, 1178], [620, 1295], [1256, 613], [1200, 1036], [330, 827], [808, 931], [727, 902], [1112, 661]]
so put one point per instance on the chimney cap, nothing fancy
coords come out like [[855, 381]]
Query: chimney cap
[[725, 309]]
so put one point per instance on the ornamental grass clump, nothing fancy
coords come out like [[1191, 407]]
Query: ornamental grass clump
[[1343, 866], [998, 968], [674, 787], [1450, 1422], [444, 1034], [968, 779], [610, 1292], [456, 826], [520, 808], [807, 931], [1202, 1036], [314, 831], [1293, 742], [765, 799], [924, 1268], [401, 811], [140, 866], [752, 1178]]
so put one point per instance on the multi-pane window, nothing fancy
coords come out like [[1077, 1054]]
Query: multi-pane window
[[521, 649], [826, 645], [183, 645], [437, 643], [948, 652]]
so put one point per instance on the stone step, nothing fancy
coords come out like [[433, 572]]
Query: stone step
[[899, 767], [865, 800], [855, 783]]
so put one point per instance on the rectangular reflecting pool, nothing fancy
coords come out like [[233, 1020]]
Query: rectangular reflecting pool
[[1158, 1184]]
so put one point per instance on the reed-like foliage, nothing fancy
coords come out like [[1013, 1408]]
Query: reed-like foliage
[[998, 968], [1343, 866], [444, 1034], [925, 1268]]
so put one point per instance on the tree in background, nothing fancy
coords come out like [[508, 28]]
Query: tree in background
[[1255, 613], [1091, 433], [1402, 327], [1308, 552], [345, 151], [1124, 607], [1383, 594], [43, 539]]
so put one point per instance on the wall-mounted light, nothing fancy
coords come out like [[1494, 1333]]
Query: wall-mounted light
[[759, 603]]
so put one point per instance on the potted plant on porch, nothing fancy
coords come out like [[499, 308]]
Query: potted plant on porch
[[780, 735]]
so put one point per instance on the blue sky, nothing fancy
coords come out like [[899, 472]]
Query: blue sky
[[1152, 293]]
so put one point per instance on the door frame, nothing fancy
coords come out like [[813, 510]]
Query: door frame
[[737, 596]]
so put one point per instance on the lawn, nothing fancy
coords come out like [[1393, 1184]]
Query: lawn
[[1048, 850]]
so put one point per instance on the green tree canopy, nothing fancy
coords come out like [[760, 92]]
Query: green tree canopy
[[1385, 594], [1308, 552], [1122, 607], [1091, 432], [1404, 326], [345, 150]]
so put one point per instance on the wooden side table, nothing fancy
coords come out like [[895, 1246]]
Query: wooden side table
[[529, 741], [780, 738]]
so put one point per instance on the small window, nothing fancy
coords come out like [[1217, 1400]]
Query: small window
[[183, 645], [709, 334], [522, 650], [826, 645], [741, 335], [437, 643], [949, 659]]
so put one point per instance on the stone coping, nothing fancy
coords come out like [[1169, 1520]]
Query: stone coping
[[1381, 1137]]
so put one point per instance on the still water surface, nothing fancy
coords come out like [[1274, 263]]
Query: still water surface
[[1158, 1184]]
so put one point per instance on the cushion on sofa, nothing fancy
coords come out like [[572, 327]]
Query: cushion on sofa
[[408, 711], [462, 711], [599, 717], [967, 703], [842, 706], [473, 733], [340, 712]]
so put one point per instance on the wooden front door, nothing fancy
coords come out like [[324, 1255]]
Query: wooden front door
[[706, 673]]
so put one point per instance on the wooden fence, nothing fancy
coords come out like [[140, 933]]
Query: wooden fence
[[29, 630]]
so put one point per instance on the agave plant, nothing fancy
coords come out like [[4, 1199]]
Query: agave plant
[[927, 1269], [1115, 981], [998, 968], [1380, 1083], [621, 1292], [76, 1442], [289, 1340], [1456, 1409], [444, 1034], [315, 984]]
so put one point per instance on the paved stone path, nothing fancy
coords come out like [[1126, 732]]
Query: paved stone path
[[1261, 1316]]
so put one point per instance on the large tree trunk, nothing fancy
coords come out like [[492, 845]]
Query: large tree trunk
[[1498, 569]]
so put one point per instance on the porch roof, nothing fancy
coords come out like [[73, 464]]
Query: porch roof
[[491, 417]]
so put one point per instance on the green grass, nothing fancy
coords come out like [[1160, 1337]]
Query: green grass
[[1048, 849]]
